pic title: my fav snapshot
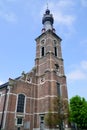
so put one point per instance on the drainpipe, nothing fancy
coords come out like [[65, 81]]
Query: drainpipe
[[4, 108]]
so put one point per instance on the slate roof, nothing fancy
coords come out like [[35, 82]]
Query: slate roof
[[7, 83], [4, 85]]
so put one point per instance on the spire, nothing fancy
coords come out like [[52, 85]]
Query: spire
[[47, 20]]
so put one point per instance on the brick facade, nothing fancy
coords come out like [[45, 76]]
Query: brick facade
[[39, 86]]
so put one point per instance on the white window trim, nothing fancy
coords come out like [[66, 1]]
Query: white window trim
[[56, 50], [42, 45], [60, 89], [24, 103], [55, 45], [42, 121], [41, 51], [19, 116]]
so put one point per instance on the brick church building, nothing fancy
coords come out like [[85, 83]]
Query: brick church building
[[26, 100]]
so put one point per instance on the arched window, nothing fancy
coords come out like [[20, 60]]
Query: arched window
[[58, 89], [55, 48], [55, 51], [42, 127], [42, 48], [42, 51], [20, 103]]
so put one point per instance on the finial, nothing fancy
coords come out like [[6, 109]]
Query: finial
[[47, 20], [47, 10], [47, 4]]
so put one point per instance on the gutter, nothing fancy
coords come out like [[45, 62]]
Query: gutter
[[2, 118]]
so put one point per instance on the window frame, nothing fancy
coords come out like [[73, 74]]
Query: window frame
[[42, 51], [55, 51], [20, 104], [42, 48], [42, 121], [55, 48], [59, 93], [16, 123], [18, 128]]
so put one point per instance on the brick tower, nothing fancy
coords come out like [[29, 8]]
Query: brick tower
[[50, 69], [26, 100]]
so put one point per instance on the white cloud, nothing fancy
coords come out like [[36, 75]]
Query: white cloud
[[1, 82], [63, 3], [63, 16], [61, 12], [79, 72], [7, 14], [64, 19], [84, 65], [9, 17], [84, 42], [76, 75], [84, 3]]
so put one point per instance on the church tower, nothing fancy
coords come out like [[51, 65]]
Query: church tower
[[50, 68], [26, 100]]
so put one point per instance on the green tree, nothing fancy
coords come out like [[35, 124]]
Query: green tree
[[78, 111], [57, 114]]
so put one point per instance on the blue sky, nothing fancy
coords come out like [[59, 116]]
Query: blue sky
[[21, 23]]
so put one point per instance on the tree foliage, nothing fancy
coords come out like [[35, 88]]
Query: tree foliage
[[78, 111], [58, 113]]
